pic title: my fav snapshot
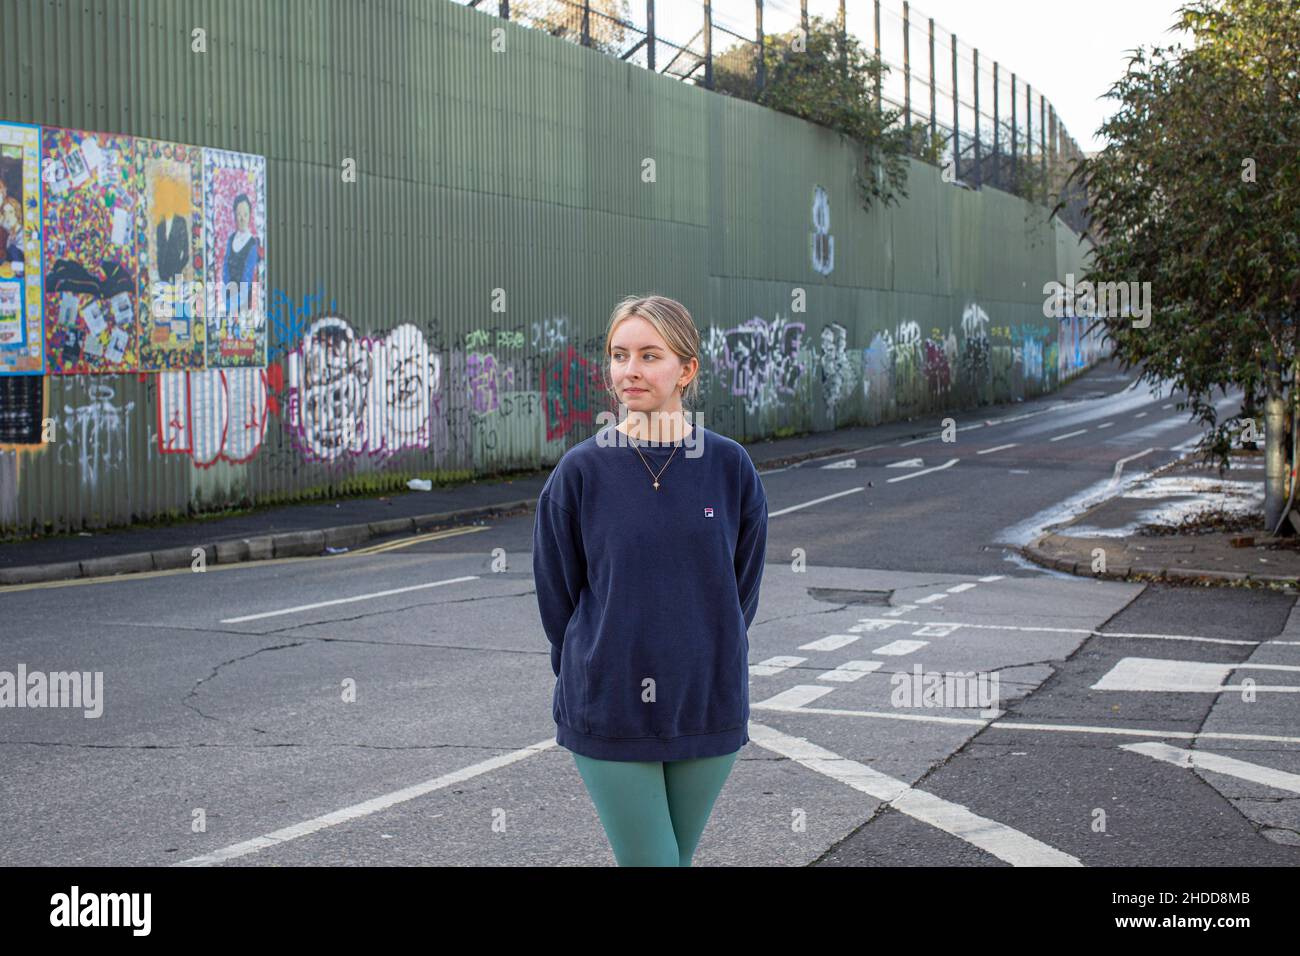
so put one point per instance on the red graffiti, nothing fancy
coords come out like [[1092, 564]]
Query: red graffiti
[[571, 388]]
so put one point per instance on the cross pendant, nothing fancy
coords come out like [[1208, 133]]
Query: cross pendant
[[656, 486]]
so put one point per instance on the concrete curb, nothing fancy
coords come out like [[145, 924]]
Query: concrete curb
[[1120, 571], [1116, 571], [239, 550]]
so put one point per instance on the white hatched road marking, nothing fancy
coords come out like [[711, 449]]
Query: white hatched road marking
[[900, 647], [851, 671], [831, 642], [997, 839], [1083, 630], [795, 699], [1161, 675], [774, 665], [1218, 763]]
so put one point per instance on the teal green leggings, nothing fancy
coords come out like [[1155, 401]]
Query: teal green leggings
[[654, 812]]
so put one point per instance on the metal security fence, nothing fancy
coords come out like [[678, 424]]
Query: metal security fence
[[996, 128]]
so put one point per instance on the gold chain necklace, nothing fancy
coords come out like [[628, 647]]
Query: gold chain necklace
[[633, 443]]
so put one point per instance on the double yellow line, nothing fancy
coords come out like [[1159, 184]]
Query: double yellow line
[[140, 575], [407, 542]]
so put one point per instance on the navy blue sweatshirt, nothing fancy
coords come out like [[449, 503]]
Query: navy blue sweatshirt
[[646, 595]]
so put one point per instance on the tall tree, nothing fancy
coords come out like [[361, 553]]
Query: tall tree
[[1198, 193]]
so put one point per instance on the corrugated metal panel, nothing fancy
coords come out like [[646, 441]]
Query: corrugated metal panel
[[499, 211]]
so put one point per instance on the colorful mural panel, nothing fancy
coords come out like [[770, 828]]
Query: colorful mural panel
[[234, 216], [89, 251], [21, 341], [169, 239]]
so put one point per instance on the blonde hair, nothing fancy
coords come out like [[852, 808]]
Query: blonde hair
[[671, 320]]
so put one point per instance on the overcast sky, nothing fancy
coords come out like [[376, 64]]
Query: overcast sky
[[1069, 50]]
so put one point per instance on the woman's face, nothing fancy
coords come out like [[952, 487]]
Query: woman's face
[[645, 372], [241, 216]]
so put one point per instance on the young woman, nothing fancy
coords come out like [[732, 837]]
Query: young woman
[[648, 553]]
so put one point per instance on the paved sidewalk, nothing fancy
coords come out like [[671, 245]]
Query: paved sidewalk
[[1136, 534], [309, 528]]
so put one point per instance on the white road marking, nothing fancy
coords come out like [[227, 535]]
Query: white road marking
[[958, 588], [774, 665], [846, 463], [364, 809], [1084, 630], [850, 671], [347, 600], [898, 648], [829, 643], [1218, 763], [1193, 677], [935, 630], [994, 838], [815, 501], [783, 702], [1170, 405], [794, 698], [931, 598], [1140, 415], [908, 463], [926, 471], [897, 611], [992, 577], [989, 451], [1107, 425], [1068, 435], [809, 461], [917, 441], [1119, 465], [870, 624]]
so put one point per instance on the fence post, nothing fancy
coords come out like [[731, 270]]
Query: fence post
[[1029, 133], [762, 59], [956, 118], [1014, 159], [844, 57], [934, 126], [650, 33], [1042, 136], [907, 65], [880, 105], [708, 44], [997, 132], [975, 79]]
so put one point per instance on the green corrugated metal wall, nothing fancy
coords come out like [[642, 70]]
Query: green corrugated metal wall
[[517, 170]]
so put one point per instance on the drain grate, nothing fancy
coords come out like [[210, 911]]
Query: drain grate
[[849, 596]]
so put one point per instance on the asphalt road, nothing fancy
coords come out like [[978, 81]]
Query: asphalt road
[[393, 705]]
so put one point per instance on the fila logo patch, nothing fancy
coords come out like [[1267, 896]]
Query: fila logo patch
[[708, 512]]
